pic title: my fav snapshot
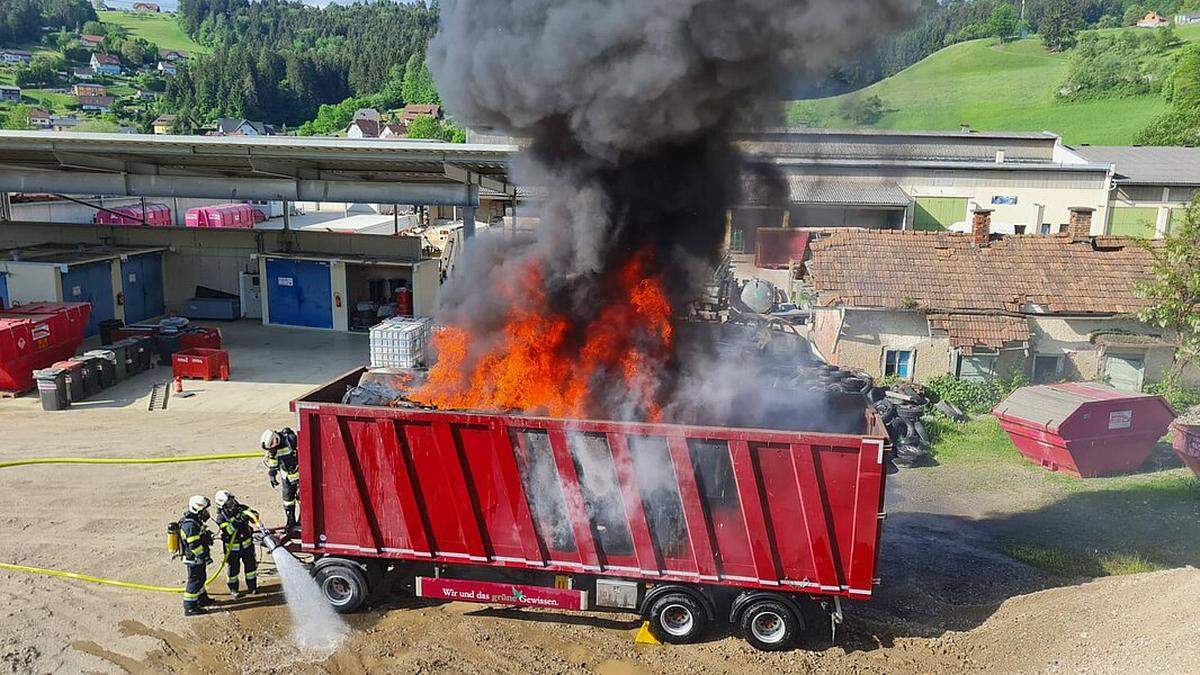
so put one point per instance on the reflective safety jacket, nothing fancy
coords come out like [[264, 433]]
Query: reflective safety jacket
[[285, 458], [236, 526], [197, 540]]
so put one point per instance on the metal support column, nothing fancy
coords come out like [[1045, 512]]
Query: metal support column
[[5, 206], [287, 214]]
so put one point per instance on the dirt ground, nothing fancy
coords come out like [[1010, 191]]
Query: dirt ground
[[949, 600]]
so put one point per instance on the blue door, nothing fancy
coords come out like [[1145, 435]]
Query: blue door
[[3, 290], [91, 283], [299, 293], [142, 284]]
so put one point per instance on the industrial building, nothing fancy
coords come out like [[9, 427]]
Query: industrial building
[[286, 277]]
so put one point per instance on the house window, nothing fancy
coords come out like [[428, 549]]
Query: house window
[[977, 367], [898, 363], [1047, 368], [1046, 228], [737, 240], [1018, 229]]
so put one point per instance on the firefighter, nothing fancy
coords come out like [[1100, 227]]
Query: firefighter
[[197, 540], [236, 522], [280, 447]]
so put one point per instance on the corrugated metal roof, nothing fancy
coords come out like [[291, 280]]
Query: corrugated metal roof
[[1146, 165], [804, 190]]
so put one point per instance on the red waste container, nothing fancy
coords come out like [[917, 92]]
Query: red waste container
[[200, 337], [202, 364], [36, 335], [1186, 441], [1084, 429]]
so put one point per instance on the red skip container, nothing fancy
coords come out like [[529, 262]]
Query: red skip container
[[1084, 429], [36, 335], [1187, 445], [201, 364]]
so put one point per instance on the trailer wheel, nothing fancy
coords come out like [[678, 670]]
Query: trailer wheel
[[770, 625], [677, 618], [343, 585]]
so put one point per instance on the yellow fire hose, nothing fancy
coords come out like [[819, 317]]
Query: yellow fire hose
[[127, 460]]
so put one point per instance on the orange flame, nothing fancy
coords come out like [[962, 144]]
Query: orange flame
[[543, 364]]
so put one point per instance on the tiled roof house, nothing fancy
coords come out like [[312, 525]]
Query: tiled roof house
[[920, 304]]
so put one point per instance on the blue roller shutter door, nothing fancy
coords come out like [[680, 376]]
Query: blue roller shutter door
[[299, 293], [4, 290], [142, 284], [91, 283]]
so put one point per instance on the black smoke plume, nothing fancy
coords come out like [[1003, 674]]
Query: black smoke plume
[[627, 106]]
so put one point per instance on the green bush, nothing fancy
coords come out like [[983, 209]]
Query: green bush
[[1180, 398], [971, 396]]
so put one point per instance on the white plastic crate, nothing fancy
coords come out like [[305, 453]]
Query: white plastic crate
[[400, 342]]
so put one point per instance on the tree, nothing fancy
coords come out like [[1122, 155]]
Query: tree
[[1061, 21], [424, 126], [1173, 291], [863, 111], [418, 84], [1002, 22], [17, 118]]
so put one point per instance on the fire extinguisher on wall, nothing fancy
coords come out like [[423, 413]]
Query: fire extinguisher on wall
[[404, 301]]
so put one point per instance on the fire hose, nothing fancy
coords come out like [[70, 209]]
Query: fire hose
[[128, 460]]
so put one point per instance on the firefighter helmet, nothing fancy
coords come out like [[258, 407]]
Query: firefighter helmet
[[270, 440], [198, 503], [223, 497]]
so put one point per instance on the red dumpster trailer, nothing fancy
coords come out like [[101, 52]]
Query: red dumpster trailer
[[687, 526], [157, 215], [35, 335]]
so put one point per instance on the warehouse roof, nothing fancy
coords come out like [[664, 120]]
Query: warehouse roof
[[271, 167], [804, 190], [67, 254], [1139, 165], [942, 272]]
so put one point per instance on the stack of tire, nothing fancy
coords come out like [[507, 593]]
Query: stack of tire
[[901, 413]]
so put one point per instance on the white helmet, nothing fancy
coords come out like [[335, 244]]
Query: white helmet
[[270, 440], [223, 497], [198, 503]]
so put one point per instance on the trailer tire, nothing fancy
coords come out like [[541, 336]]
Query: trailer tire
[[343, 584], [677, 618], [770, 625]]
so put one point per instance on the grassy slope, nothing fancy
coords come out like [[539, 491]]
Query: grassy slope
[[161, 29], [1001, 88]]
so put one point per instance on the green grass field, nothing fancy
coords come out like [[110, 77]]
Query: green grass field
[[996, 87], [161, 29]]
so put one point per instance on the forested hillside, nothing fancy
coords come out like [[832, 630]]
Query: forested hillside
[[279, 61]]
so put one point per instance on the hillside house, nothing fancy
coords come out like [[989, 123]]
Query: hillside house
[[363, 128], [86, 89], [164, 124], [92, 42], [167, 68], [10, 94], [393, 130], [172, 54], [367, 114], [100, 104], [232, 126], [1186, 19], [63, 122], [84, 74], [106, 64], [1153, 20], [39, 118], [146, 7], [921, 304], [15, 56], [414, 110]]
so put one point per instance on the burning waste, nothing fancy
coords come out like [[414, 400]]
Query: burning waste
[[627, 107]]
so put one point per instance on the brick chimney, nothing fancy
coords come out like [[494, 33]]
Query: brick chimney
[[981, 226], [1080, 225]]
